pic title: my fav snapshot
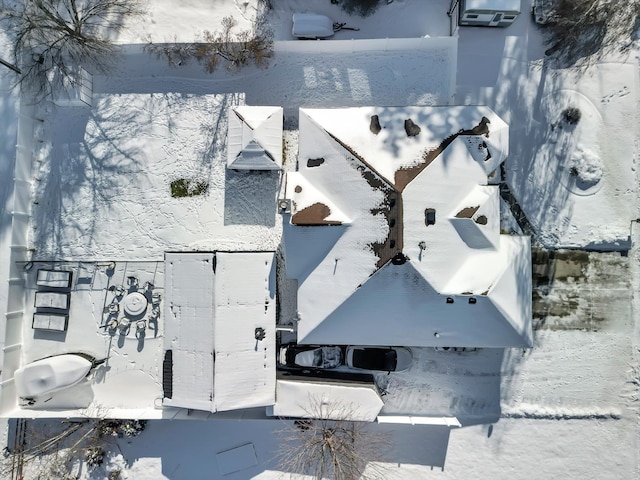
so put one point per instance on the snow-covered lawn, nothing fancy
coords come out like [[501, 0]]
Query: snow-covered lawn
[[592, 205], [117, 163], [578, 183]]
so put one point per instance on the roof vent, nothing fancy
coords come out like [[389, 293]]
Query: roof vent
[[449, 300], [284, 205], [472, 300], [398, 259]]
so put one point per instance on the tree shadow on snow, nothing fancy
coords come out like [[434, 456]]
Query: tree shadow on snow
[[8, 155], [88, 153], [250, 197]]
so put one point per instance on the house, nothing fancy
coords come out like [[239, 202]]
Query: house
[[391, 230], [394, 230]]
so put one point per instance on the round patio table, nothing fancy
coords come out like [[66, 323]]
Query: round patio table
[[135, 304]]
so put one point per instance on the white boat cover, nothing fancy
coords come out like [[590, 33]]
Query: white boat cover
[[312, 25], [51, 374]]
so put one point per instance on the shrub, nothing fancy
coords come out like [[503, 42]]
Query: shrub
[[235, 49], [94, 456], [133, 428], [188, 188], [115, 474], [571, 115]]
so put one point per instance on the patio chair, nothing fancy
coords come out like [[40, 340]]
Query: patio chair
[[52, 300], [124, 325], [54, 278], [155, 299], [50, 321], [118, 290], [113, 324], [141, 326], [155, 314]]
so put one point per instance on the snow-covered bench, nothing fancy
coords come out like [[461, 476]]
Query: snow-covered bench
[[55, 300], [54, 278], [50, 321]]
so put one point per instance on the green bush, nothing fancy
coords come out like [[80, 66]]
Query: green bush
[[188, 188]]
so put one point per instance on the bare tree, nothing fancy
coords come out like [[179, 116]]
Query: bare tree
[[52, 38], [582, 31], [329, 444], [226, 46], [57, 450]]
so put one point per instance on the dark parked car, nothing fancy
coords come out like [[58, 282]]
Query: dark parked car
[[386, 359], [311, 356]]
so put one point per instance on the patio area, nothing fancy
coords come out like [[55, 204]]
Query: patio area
[[113, 317]]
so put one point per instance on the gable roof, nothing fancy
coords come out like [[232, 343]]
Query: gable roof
[[477, 218], [255, 138], [385, 279]]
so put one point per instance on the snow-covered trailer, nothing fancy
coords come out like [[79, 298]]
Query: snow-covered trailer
[[489, 13]]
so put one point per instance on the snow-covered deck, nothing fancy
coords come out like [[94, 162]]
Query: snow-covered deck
[[129, 382]]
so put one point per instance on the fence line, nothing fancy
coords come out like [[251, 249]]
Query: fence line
[[365, 45]]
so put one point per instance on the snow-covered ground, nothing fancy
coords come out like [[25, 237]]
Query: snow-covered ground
[[118, 162], [566, 408], [577, 184]]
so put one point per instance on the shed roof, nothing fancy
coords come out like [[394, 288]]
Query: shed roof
[[215, 304]]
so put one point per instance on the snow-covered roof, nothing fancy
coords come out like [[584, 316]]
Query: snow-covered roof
[[255, 138], [217, 306], [421, 261], [331, 401]]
